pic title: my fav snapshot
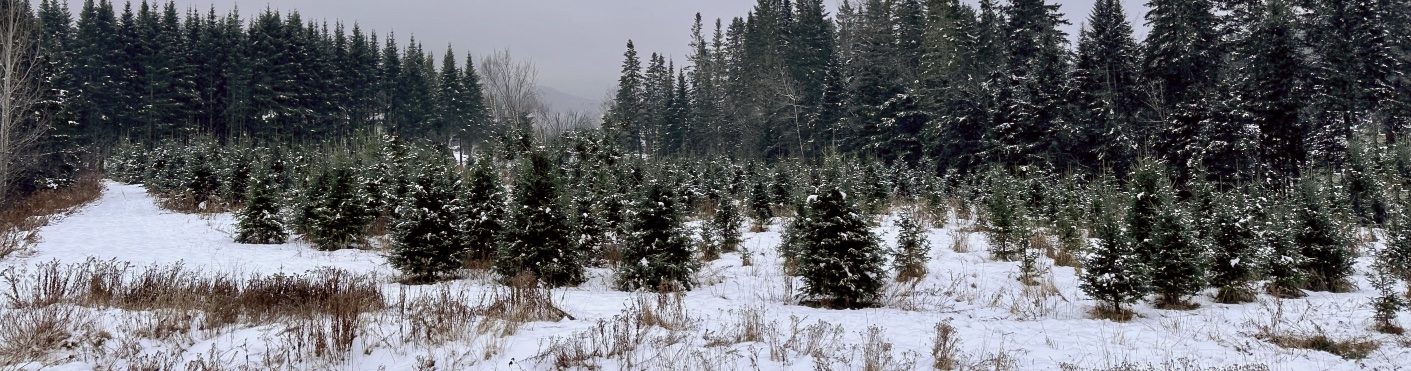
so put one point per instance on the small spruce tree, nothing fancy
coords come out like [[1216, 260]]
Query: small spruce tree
[[1284, 265], [840, 259], [424, 227], [1238, 249], [761, 205], [1176, 257], [657, 254], [482, 217], [1006, 227], [259, 221], [589, 231], [1388, 301], [913, 249], [537, 239], [338, 216], [1322, 239], [1113, 274], [726, 225]]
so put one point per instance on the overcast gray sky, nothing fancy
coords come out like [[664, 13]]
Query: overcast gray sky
[[576, 44]]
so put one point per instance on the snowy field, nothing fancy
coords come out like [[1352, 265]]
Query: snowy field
[[740, 318]]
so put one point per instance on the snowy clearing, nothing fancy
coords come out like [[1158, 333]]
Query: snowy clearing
[[740, 317]]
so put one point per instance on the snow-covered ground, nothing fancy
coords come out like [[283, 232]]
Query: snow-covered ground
[[741, 317]]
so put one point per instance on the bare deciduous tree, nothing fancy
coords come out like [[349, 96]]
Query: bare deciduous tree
[[21, 87], [511, 91]]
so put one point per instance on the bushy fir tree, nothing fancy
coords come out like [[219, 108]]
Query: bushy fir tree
[[537, 239], [1284, 266], [482, 217], [1322, 239], [1397, 254], [761, 204], [657, 253], [1113, 273], [913, 249], [338, 217], [1365, 187], [590, 232], [726, 224], [1388, 301], [1165, 238], [840, 259], [424, 226], [259, 222], [1006, 225], [1238, 248]]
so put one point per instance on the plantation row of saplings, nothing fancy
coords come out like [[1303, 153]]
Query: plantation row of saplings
[[552, 211]]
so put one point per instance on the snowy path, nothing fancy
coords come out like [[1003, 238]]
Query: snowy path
[[125, 224]]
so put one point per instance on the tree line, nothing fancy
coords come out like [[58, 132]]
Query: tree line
[[1241, 89]]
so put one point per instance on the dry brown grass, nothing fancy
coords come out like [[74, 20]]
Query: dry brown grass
[[1112, 314], [960, 241], [225, 299], [748, 326], [31, 334], [945, 347], [877, 353], [1181, 364], [20, 222], [524, 301], [1353, 349]]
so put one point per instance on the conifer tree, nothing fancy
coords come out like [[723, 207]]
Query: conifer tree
[[1322, 239], [1284, 266], [761, 207], [537, 239], [1114, 273], [1165, 238], [423, 227], [259, 222], [913, 249], [623, 122], [1180, 60], [1388, 301], [1006, 223], [1238, 249], [483, 214], [726, 224], [338, 216], [657, 254], [1106, 77], [1397, 255], [590, 232], [1274, 90], [840, 259]]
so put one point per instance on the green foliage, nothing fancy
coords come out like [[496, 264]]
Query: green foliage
[[1165, 237], [913, 249], [726, 225], [839, 258], [259, 222], [1006, 223], [1322, 238], [1239, 248], [424, 226], [336, 216], [1113, 273], [1284, 266], [482, 212], [537, 239], [657, 254]]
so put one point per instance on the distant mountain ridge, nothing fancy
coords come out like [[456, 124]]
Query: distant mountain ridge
[[558, 101]]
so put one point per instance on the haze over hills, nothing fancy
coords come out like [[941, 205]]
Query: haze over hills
[[558, 101]]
